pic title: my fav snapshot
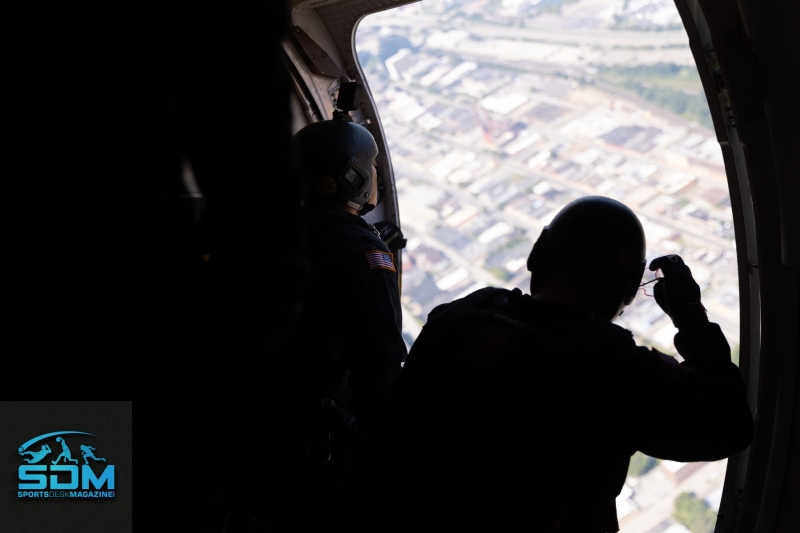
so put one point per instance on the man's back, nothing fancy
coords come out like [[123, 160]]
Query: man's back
[[352, 315], [513, 412], [349, 354]]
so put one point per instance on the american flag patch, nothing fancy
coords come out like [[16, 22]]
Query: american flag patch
[[379, 259]]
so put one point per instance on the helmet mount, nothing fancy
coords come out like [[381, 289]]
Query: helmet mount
[[348, 99]]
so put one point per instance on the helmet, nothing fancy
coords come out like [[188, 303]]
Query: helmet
[[334, 158], [599, 233]]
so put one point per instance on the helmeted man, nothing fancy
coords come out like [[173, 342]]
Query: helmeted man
[[352, 310], [352, 339], [521, 412]]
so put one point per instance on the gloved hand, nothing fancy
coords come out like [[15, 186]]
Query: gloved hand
[[677, 293]]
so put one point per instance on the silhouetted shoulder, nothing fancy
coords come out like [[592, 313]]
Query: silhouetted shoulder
[[471, 300], [611, 334], [341, 233]]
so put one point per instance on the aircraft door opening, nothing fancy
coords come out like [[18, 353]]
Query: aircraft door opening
[[496, 120]]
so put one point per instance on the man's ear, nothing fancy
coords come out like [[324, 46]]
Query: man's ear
[[538, 251]]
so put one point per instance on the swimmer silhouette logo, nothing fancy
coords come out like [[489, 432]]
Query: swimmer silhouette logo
[[60, 478]]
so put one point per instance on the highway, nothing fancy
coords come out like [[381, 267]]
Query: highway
[[575, 37]]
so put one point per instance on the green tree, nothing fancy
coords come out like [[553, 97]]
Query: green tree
[[676, 88], [694, 513], [499, 273], [641, 464]]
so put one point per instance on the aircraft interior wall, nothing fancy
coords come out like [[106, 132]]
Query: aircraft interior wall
[[117, 113]]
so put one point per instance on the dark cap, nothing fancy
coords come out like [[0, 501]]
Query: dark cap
[[595, 232], [598, 224]]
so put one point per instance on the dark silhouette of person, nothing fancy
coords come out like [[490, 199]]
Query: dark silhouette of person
[[65, 452], [88, 453], [36, 456], [351, 322], [521, 412]]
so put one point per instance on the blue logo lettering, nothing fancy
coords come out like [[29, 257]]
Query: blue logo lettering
[[41, 479], [73, 477], [33, 476], [106, 477]]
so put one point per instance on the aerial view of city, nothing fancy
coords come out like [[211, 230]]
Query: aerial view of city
[[499, 112]]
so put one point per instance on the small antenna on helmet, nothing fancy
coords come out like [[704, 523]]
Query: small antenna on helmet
[[348, 99]]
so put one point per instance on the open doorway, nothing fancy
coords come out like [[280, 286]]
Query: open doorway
[[498, 113]]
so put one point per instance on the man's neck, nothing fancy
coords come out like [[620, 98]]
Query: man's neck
[[575, 293], [333, 207]]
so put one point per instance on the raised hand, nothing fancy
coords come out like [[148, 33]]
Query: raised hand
[[677, 293]]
